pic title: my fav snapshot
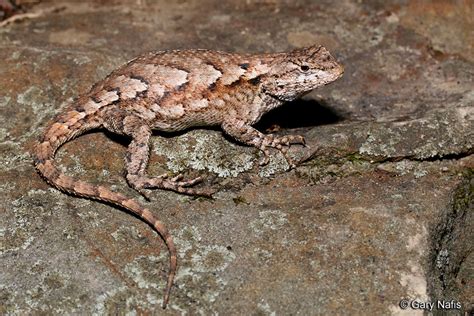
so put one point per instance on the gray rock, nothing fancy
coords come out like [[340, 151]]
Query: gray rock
[[379, 210]]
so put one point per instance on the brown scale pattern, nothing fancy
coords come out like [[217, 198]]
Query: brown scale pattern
[[174, 90]]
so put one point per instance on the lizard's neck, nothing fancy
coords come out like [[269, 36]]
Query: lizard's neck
[[270, 101]]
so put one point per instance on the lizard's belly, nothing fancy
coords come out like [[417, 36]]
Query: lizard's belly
[[206, 111], [178, 124]]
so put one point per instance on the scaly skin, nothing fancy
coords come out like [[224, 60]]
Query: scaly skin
[[172, 91]]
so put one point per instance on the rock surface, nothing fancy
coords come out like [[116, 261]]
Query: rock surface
[[380, 210]]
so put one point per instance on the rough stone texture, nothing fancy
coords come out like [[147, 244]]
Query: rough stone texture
[[381, 209]]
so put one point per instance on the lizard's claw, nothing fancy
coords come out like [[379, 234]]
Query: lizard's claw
[[140, 183], [281, 144], [144, 193]]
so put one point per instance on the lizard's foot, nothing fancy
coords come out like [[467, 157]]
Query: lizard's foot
[[281, 144], [176, 184]]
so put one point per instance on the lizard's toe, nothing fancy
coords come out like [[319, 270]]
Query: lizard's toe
[[266, 157]]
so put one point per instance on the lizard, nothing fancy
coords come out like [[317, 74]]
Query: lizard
[[172, 91]]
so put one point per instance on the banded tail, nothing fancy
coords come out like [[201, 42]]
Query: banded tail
[[70, 125]]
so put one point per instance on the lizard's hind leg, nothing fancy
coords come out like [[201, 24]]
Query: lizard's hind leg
[[137, 158]]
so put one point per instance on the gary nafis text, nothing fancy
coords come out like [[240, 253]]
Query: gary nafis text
[[429, 306]]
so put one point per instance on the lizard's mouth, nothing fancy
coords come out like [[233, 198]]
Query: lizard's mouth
[[340, 71]]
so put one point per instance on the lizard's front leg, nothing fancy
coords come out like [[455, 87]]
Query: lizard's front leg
[[246, 134]]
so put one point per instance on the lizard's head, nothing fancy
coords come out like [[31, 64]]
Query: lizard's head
[[300, 71]]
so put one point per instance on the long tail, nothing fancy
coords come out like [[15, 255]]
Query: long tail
[[66, 127]]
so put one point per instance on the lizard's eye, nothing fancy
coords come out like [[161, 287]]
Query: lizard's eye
[[304, 67]]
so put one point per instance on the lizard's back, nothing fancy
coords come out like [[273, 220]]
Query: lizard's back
[[179, 89]]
